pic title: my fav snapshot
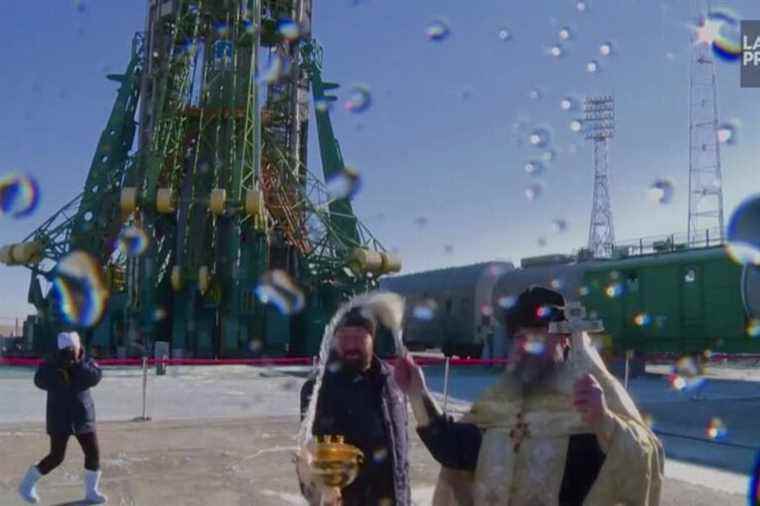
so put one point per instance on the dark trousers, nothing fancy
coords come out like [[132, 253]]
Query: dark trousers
[[58, 442]]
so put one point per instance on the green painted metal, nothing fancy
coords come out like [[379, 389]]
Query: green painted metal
[[692, 297], [342, 215]]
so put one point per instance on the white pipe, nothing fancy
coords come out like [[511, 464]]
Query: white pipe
[[145, 388], [446, 369]]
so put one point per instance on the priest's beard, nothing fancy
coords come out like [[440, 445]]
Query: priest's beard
[[532, 370]]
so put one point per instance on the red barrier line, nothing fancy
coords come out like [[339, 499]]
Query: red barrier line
[[245, 361], [173, 361]]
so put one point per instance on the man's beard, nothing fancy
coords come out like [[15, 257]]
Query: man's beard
[[355, 363], [533, 369]]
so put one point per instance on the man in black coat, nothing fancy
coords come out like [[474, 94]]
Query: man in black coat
[[360, 400], [67, 377]]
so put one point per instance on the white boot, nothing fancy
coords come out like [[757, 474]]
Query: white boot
[[28, 488], [91, 481]]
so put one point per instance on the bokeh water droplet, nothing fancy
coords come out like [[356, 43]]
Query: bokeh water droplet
[[568, 104], [743, 233], [565, 33], [534, 168], [576, 126], [255, 345], [379, 455], [19, 195], [721, 29], [605, 49], [425, 310], [592, 67], [727, 133], [753, 328], [661, 191], [344, 184], [504, 34], [535, 94], [539, 137], [322, 105], [716, 429], [79, 289], [359, 99], [273, 70], [614, 290], [133, 241], [289, 29], [557, 51], [437, 30], [559, 225], [642, 319], [276, 287], [506, 301], [534, 347], [533, 191], [581, 6]]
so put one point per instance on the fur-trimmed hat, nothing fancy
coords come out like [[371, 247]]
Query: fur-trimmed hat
[[358, 317]]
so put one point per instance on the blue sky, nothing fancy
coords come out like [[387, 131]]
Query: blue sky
[[437, 142]]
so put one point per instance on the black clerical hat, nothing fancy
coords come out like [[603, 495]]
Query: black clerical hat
[[535, 307]]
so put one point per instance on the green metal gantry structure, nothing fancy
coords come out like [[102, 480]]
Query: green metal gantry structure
[[220, 184]]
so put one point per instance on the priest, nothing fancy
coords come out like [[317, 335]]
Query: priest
[[557, 428]]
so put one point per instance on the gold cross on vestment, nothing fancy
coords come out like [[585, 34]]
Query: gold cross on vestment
[[519, 432]]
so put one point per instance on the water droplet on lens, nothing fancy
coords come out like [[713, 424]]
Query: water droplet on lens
[[576, 126], [565, 33], [322, 105], [727, 133], [359, 100], [559, 225], [605, 49], [273, 71], [133, 241], [661, 191], [437, 30], [743, 233], [277, 288], [549, 155], [425, 310], [556, 51], [539, 137], [507, 301], [288, 28], [581, 6], [534, 168], [345, 184], [535, 94], [19, 195], [533, 191], [567, 104], [421, 221], [79, 289], [505, 34], [592, 67], [379, 455]]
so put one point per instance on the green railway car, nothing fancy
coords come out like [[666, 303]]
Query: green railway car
[[659, 298], [676, 302]]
